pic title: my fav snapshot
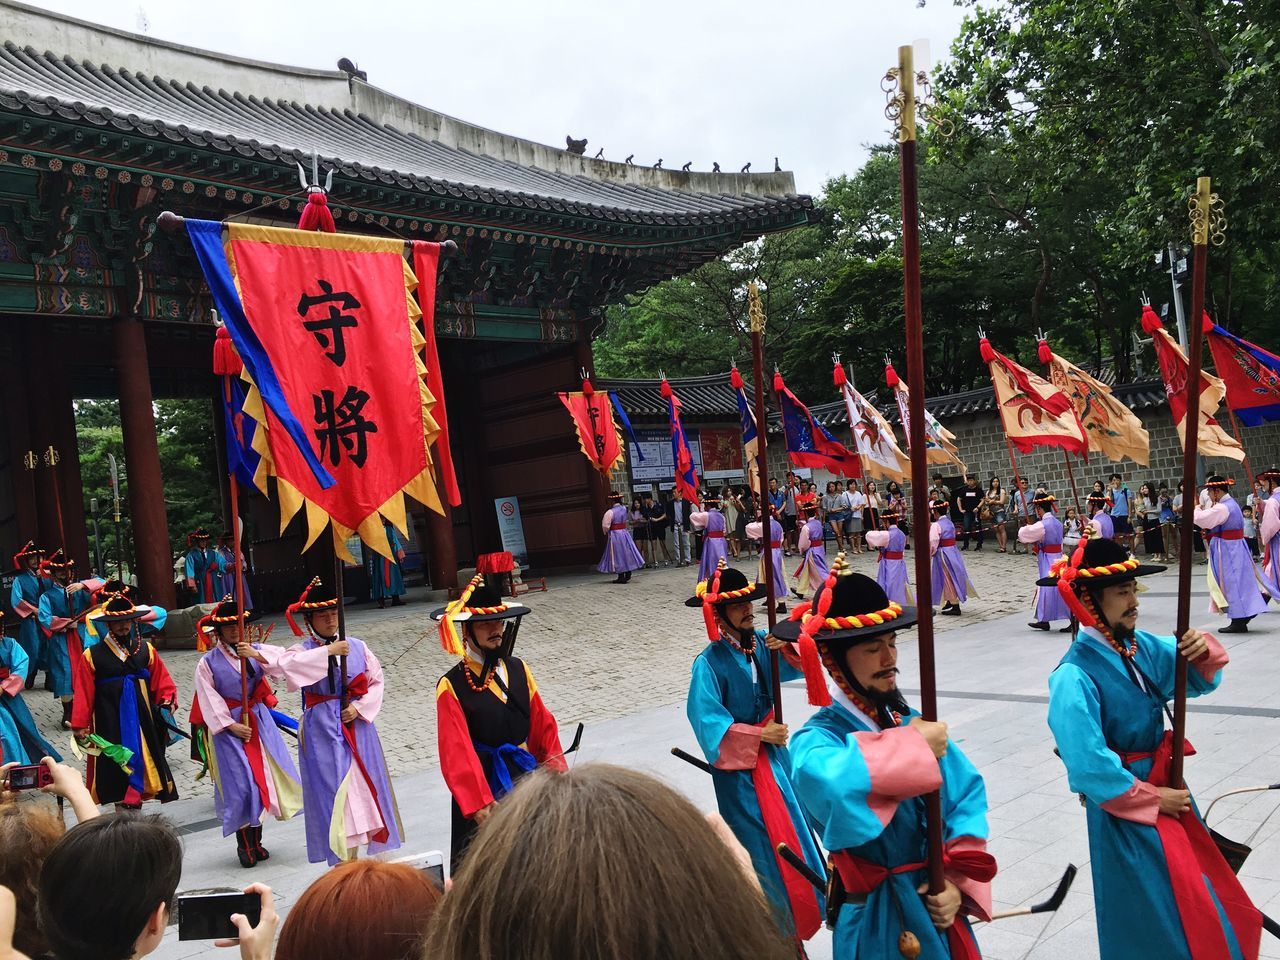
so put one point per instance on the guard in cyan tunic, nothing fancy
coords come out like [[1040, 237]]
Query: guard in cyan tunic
[[1235, 583], [1160, 886], [862, 766], [621, 555], [813, 548], [712, 524], [1045, 535], [386, 576], [730, 708], [203, 567], [121, 685], [951, 583], [252, 769], [20, 741], [491, 724], [891, 570], [65, 633], [24, 598]]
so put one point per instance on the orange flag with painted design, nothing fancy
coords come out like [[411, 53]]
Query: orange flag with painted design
[[1110, 428]]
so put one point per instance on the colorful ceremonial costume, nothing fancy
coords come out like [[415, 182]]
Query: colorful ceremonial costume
[[861, 773], [1269, 534], [755, 531], [346, 789], [64, 638], [152, 621], [120, 686], [891, 569], [1235, 584], [253, 777], [621, 555], [203, 568], [491, 724], [730, 701], [813, 548], [951, 583], [1046, 537], [24, 598], [20, 741], [386, 576], [712, 524], [1159, 881], [226, 584], [1106, 530]]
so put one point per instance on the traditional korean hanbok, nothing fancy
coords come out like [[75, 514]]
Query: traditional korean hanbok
[[203, 567], [813, 561], [20, 740], [1046, 536], [64, 638], [226, 584], [755, 531], [951, 583], [621, 555], [1269, 537], [386, 576], [1102, 526], [712, 523], [1235, 583], [24, 598], [730, 700], [891, 569]]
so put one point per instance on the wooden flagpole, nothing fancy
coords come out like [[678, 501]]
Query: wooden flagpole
[[902, 107], [756, 313], [237, 588], [1204, 220], [1235, 430]]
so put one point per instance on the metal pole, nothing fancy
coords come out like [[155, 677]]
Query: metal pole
[[756, 313], [1177, 297], [919, 465]]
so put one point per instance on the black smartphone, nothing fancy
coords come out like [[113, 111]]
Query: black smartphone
[[207, 916]]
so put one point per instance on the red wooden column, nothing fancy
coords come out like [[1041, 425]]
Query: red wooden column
[[20, 443], [41, 370], [154, 556], [442, 551]]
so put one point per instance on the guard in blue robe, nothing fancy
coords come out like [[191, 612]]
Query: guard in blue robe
[[20, 741], [203, 567], [730, 708], [386, 576], [24, 598], [63, 628], [1152, 857], [861, 767]]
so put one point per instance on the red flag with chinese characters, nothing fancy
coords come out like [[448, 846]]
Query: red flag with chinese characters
[[592, 415], [1033, 411], [331, 321], [1211, 439]]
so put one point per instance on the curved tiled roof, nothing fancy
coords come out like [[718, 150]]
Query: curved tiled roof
[[367, 134]]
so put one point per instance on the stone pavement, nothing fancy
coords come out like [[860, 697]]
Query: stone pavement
[[616, 658]]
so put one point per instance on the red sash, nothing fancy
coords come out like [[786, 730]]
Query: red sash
[[1192, 856], [715, 534], [617, 526], [357, 686], [946, 543], [890, 554], [775, 544], [1225, 535], [1050, 548]]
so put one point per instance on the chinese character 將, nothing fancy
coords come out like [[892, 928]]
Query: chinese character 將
[[328, 329], [342, 427]]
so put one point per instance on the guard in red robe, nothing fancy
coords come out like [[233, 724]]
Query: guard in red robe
[[492, 725]]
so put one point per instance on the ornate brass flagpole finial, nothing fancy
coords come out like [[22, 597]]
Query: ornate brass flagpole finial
[[904, 105], [1208, 215], [754, 308]]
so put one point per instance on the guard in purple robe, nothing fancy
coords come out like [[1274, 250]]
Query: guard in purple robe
[[712, 524], [1099, 519], [951, 583], [891, 571], [1045, 537], [345, 786], [1235, 583], [755, 531], [621, 555], [813, 548], [252, 769]]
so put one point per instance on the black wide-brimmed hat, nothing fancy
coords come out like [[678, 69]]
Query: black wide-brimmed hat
[[734, 587], [58, 561], [316, 596], [859, 609], [939, 505], [479, 601], [1046, 500], [122, 608], [29, 549], [199, 533], [1097, 563], [1271, 473], [1219, 482], [615, 495]]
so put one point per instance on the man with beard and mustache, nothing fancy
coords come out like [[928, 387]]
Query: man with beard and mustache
[[1152, 856], [861, 767], [731, 710], [491, 724]]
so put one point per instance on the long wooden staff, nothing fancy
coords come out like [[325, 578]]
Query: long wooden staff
[[1205, 219], [756, 312], [226, 364], [905, 102]]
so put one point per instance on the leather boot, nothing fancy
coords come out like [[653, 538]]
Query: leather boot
[[66, 714], [259, 851], [244, 847], [1237, 625]]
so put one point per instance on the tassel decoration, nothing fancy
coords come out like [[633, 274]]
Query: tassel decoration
[[226, 362], [316, 215]]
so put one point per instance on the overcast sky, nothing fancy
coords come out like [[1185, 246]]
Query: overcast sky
[[701, 80]]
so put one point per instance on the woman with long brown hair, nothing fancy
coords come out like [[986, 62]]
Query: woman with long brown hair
[[599, 863]]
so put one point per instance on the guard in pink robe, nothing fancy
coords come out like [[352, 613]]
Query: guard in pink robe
[[1235, 583], [621, 555], [1268, 515], [951, 583], [1099, 520], [813, 548], [1045, 537], [773, 549], [891, 568]]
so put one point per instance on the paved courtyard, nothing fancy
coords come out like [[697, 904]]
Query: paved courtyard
[[617, 658]]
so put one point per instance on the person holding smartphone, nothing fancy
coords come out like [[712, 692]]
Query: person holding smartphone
[[253, 770], [121, 685], [491, 723]]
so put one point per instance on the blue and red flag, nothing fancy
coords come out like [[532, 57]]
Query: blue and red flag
[[750, 435], [682, 457], [1250, 373], [809, 444], [238, 427]]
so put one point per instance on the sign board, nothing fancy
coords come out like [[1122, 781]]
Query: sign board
[[721, 449], [658, 465], [511, 529]]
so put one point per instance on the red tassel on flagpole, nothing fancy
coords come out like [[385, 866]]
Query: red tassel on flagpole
[[587, 389], [665, 389], [1150, 322], [735, 379], [840, 377], [316, 215], [984, 349], [891, 376], [778, 385], [226, 362], [1044, 353]]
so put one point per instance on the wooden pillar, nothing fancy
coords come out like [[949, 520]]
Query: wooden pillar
[[41, 369], [67, 473], [441, 549], [20, 443], [153, 552]]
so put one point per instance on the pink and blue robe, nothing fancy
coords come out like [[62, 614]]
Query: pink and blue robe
[[1269, 537], [730, 699], [1235, 583], [1110, 732], [891, 570], [226, 581], [24, 598], [63, 639], [1046, 536], [204, 569], [712, 523], [621, 555], [346, 789], [755, 531], [20, 740], [252, 778], [951, 583], [1106, 529], [813, 562], [863, 788]]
